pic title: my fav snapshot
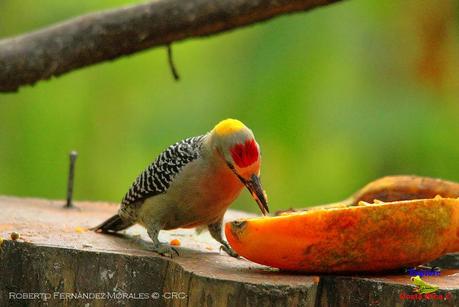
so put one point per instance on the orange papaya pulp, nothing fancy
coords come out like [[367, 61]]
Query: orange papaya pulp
[[355, 235]]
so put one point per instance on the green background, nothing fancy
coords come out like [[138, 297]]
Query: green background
[[336, 97]]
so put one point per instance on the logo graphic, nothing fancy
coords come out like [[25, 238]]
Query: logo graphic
[[423, 271], [425, 291], [422, 286]]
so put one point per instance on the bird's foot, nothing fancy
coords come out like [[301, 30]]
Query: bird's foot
[[164, 250], [225, 247]]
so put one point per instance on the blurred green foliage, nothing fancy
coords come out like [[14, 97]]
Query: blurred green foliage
[[336, 97]]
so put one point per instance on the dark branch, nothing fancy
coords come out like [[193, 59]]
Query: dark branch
[[170, 59], [107, 35]]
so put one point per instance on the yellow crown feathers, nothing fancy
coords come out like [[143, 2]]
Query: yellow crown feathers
[[228, 126]]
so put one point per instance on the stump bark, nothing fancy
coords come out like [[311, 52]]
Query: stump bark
[[57, 261]]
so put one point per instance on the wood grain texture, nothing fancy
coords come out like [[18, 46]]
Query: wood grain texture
[[56, 255]]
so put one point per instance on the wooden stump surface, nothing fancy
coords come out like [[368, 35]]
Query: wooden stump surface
[[57, 261]]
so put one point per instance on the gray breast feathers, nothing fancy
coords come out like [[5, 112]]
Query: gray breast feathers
[[157, 177]]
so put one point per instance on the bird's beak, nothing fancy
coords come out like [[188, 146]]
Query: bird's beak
[[255, 188]]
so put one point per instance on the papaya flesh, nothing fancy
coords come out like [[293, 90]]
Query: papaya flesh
[[357, 235]]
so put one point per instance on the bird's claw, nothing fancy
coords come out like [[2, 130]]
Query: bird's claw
[[229, 250], [165, 250]]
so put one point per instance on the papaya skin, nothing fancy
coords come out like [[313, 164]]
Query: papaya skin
[[395, 188], [349, 238]]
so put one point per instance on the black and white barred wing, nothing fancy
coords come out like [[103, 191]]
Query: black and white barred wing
[[158, 176]]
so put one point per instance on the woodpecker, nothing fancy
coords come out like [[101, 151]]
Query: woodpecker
[[191, 184]]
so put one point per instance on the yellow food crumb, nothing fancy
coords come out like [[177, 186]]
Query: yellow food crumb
[[175, 242], [80, 229], [1, 241]]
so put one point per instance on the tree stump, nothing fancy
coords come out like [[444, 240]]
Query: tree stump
[[57, 261]]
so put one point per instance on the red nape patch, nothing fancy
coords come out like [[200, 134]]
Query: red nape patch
[[245, 154]]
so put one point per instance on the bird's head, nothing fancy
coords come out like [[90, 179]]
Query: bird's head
[[235, 143]]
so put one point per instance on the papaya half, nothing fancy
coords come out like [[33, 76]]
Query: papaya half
[[384, 226]]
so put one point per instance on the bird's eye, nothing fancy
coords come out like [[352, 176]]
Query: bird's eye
[[230, 165]]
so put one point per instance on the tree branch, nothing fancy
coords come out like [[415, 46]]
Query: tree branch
[[106, 35]]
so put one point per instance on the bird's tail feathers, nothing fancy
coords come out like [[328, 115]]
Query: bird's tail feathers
[[113, 224]]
